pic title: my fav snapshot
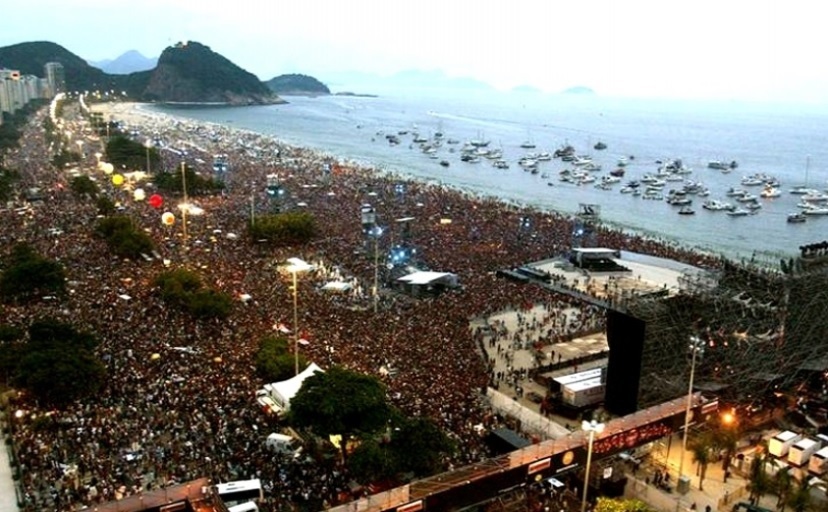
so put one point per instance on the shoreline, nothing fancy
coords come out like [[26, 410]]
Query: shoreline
[[141, 111]]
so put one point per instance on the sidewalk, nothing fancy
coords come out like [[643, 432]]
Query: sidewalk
[[8, 498], [718, 494]]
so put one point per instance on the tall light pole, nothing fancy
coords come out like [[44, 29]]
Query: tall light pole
[[148, 144], [376, 232], [592, 427], [696, 347], [186, 204], [296, 265]]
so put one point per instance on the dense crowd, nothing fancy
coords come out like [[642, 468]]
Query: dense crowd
[[168, 415]]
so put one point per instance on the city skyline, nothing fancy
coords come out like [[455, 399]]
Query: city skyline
[[641, 48]]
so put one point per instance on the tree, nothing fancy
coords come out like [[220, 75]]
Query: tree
[[123, 238], [759, 484], [419, 446], [28, 275], [343, 402], [275, 361], [371, 461], [782, 483], [290, 228], [196, 184], [184, 289], [58, 364], [800, 499], [84, 186], [123, 152], [701, 456]]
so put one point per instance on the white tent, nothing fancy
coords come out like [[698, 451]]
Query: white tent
[[337, 286], [282, 392]]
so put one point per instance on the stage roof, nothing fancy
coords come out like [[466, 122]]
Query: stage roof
[[424, 277]]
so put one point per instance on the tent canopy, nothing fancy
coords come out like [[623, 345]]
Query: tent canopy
[[427, 277], [285, 390]]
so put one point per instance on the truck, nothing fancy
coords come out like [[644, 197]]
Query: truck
[[801, 451], [781, 443], [583, 393], [818, 464], [284, 444]]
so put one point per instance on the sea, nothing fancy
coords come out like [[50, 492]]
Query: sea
[[785, 141]]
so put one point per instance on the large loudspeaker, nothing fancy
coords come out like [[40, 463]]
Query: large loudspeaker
[[625, 336]]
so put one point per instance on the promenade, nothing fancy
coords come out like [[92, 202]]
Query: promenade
[[8, 497]]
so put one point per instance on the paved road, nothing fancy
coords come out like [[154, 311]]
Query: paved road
[[8, 498]]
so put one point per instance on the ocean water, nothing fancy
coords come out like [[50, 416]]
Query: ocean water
[[784, 141]]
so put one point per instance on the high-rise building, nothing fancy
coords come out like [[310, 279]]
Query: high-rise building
[[55, 76]]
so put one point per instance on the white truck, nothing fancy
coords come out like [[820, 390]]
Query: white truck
[[818, 464], [583, 393], [801, 451], [284, 444], [781, 443]]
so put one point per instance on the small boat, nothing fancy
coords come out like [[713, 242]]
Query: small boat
[[444, 163], [816, 210], [738, 212], [618, 172], [600, 146], [796, 218], [686, 210], [528, 144]]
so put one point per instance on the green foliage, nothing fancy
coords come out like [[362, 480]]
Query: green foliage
[[57, 364], [125, 153], [64, 157], [123, 238], [28, 275], [800, 499], [621, 505], [205, 73], [7, 181], [296, 83], [10, 336], [196, 184], [275, 361], [292, 228], [372, 461], [105, 205], [183, 289], [758, 482], [84, 186], [419, 446], [343, 402]]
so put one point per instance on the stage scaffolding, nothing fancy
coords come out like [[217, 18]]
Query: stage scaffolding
[[759, 327]]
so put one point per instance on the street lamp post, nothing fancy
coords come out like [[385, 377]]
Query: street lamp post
[[592, 427], [696, 347], [148, 144], [296, 266], [186, 204], [376, 232]]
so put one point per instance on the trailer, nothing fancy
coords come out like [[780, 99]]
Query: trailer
[[781, 443], [801, 451], [818, 464], [583, 393]]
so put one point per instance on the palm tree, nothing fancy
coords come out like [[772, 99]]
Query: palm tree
[[800, 500], [782, 487], [759, 483], [701, 456]]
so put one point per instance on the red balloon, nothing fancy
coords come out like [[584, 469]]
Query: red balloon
[[156, 201]]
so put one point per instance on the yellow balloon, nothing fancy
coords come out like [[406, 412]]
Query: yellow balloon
[[168, 219], [117, 180]]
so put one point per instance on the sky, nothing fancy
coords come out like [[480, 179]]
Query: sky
[[756, 50]]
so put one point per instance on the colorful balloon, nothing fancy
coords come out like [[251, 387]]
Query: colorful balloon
[[156, 201], [138, 194], [168, 219], [117, 180]]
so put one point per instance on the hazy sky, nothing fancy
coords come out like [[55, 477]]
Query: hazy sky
[[732, 49]]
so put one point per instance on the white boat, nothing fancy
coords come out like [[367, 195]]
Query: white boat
[[816, 210], [795, 218], [738, 212], [715, 205], [770, 192]]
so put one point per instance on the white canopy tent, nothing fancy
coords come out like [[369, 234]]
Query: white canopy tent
[[282, 392]]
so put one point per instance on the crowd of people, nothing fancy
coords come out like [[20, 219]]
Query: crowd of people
[[167, 415]]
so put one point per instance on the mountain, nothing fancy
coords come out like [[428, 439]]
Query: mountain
[[297, 84], [126, 63], [526, 89], [29, 58], [579, 89], [191, 72], [186, 72]]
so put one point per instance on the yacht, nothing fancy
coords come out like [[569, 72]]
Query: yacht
[[796, 218], [770, 192], [738, 212], [816, 210]]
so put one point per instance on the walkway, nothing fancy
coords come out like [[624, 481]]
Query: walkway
[[8, 497]]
